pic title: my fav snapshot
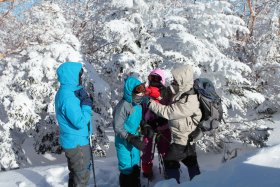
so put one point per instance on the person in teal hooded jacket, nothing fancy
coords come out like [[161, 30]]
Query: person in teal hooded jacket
[[73, 108], [127, 117]]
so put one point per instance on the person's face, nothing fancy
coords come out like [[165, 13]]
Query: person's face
[[174, 82], [174, 86], [139, 90], [138, 93], [155, 80], [81, 76]]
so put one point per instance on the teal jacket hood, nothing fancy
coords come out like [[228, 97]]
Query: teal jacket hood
[[68, 73], [129, 85], [73, 118]]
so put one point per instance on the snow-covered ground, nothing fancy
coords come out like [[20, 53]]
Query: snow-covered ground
[[254, 168]]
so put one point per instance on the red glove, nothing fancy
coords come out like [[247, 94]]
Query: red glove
[[153, 92]]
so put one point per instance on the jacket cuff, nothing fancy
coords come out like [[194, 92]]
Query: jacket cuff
[[87, 108]]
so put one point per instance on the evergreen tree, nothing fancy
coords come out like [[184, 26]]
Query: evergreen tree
[[29, 83]]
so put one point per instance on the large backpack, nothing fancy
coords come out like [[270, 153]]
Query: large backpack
[[210, 104]]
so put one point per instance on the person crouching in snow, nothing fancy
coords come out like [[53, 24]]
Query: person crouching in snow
[[152, 123], [181, 113], [73, 108], [127, 116]]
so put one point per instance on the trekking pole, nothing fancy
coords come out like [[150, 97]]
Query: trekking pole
[[153, 151], [160, 158], [141, 154], [91, 155], [154, 145], [159, 164], [90, 89], [162, 164]]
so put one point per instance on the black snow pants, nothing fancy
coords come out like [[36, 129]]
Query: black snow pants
[[79, 165], [185, 154]]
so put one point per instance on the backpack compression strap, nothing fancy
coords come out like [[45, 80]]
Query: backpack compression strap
[[186, 94]]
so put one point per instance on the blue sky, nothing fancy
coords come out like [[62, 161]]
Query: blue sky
[[19, 6]]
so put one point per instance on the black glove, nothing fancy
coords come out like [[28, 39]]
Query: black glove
[[136, 141], [148, 131], [146, 100], [84, 97], [195, 135]]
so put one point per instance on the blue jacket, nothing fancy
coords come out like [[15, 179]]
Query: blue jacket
[[127, 115], [127, 118], [72, 118]]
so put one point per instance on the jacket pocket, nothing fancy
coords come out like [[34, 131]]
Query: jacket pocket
[[191, 126], [182, 126]]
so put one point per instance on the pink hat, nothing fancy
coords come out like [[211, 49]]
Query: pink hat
[[159, 72]]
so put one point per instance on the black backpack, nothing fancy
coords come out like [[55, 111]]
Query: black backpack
[[210, 104]]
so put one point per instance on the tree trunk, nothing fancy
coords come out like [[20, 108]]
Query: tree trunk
[[252, 19]]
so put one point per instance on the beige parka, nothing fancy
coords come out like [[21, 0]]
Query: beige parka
[[179, 112]]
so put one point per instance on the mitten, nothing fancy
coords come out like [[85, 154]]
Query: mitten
[[195, 135], [135, 141], [84, 97], [148, 131]]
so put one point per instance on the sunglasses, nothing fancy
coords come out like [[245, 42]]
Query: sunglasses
[[139, 89], [154, 78]]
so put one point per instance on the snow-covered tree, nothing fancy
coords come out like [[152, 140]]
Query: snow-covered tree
[[121, 38], [263, 49], [85, 19], [166, 34], [28, 81]]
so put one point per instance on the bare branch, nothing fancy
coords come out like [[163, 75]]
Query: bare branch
[[11, 7], [252, 19]]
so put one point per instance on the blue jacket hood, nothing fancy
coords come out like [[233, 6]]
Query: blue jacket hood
[[129, 85], [68, 73]]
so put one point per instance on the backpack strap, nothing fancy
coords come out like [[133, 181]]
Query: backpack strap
[[186, 94], [194, 120]]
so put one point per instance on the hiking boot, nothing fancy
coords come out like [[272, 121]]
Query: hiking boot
[[192, 165], [132, 179], [125, 180], [193, 171], [173, 173], [172, 170]]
